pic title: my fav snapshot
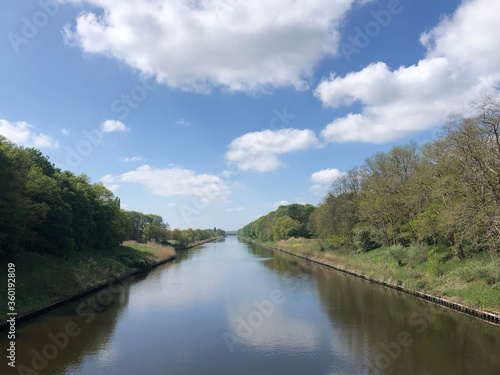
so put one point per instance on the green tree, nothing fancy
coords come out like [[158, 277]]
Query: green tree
[[282, 225]]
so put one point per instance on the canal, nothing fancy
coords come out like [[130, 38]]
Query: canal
[[231, 307]]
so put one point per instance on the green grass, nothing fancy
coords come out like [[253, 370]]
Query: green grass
[[473, 281], [42, 279]]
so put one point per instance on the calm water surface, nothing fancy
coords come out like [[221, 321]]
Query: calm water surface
[[236, 308]]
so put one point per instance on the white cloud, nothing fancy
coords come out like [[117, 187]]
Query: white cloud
[[172, 204], [177, 182], [113, 187], [21, 133], [109, 126], [460, 65], [108, 179], [197, 45], [109, 182], [239, 185], [133, 158], [65, 131], [280, 203], [326, 176], [234, 209], [259, 151], [183, 122], [319, 189]]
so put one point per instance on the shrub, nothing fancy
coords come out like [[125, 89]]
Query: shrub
[[397, 253], [134, 261], [366, 239], [337, 242], [434, 262], [291, 232], [417, 254], [477, 271]]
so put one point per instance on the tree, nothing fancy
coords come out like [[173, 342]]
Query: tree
[[160, 234], [11, 227], [387, 185], [282, 225], [138, 221]]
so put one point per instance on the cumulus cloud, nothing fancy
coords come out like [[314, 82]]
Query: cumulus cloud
[[258, 151], [133, 158], [22, 133], [323, 179], [326, 176], [109, 126], [176, 182], [460, 65], [280, 203], [319, 189], [113, 187], [197, 45]]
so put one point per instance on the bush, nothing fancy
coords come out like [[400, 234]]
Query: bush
[[366, 239], [291, 232], [134, 261], [398, 253], [434, 262], [337, 242], [478, 271], [417, 254]]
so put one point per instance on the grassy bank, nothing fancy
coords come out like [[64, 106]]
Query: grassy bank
[[42, 279], [472, 282]]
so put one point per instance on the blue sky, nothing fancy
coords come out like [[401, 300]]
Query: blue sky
[[211, 112]]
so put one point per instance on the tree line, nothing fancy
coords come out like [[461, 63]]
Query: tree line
[[49, 210], [287, 221], [146, 227], [443, 194]]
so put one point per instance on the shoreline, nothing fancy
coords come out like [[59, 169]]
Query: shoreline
[[487, 317], [62, 301]]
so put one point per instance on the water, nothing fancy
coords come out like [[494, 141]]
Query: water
[[236, 308]]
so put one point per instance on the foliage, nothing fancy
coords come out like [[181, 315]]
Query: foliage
[[433, 262], [139, 221], [282, 225], [294, 218], [366, 239], [47, 210], [445, 194]]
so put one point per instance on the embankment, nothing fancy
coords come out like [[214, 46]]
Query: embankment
[[45, 282], [486, 316]]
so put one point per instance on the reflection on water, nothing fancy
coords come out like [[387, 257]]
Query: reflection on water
[[236, 308]]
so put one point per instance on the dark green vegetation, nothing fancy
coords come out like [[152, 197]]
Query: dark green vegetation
[[147, 227], [42, 279], [64, 233], [46, 210], [285, 222], [433, 213]]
